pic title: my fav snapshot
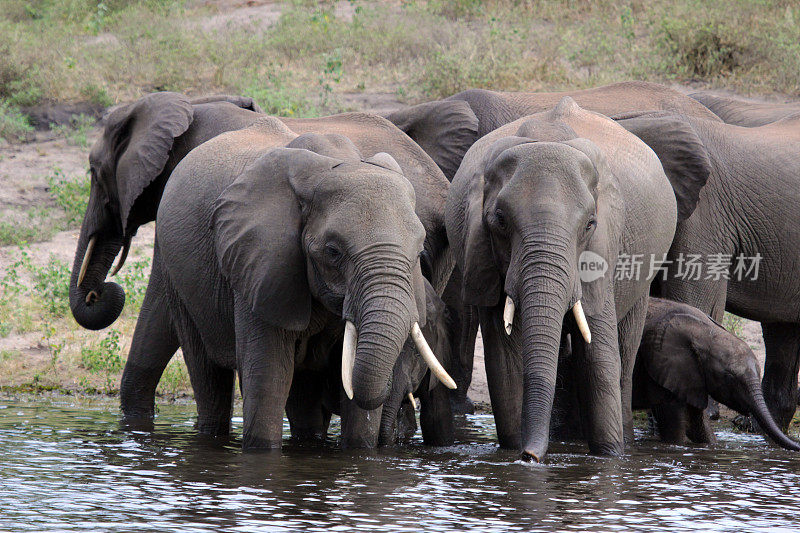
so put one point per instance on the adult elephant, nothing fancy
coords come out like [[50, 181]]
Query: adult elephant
[[260, 253], [735, 215], [748, 113], [685, 357], [140, 145], [527, 201], [465, 117]]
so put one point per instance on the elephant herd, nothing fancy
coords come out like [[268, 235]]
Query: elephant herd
[[344, 264]]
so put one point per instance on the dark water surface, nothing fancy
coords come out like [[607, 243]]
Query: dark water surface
[[71, 467]]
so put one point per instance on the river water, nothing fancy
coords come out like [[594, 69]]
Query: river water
[[72, 467]]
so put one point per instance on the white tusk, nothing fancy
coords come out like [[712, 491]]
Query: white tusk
[[580, 318], [86, 257], [125, 249], [427, 355], [508, 314], [349, 357], [412, 400]]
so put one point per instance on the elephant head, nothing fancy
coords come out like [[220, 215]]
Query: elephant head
[[692, 357], [130, 164], [312, 224], [530, 203]]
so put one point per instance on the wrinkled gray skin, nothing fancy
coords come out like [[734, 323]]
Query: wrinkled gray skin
[[135, 138], [265, 252], [463, 118], [446, 130], [140, 145], [527, 200], [395, 421], [733, 216], [684, 358], [411, 376], [742, 112]]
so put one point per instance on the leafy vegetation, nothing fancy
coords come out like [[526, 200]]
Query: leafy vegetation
[[114, 51]]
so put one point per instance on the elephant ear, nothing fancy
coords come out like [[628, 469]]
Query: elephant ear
[[443, 129], [606, 239], [683, 155], [672, 363], [245, 102], [257, 225], [137, 140]]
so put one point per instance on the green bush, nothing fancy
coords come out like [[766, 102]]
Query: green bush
[[14, 126], [104, 356], [70, 194], [77, 131], [51, 286]]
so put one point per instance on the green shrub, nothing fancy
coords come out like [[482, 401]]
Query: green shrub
[[14, 126], [77, 131], [703, 50], [104, 356], [51, 286], [70, 194]]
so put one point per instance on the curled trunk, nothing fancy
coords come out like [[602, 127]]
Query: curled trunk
[[385, 311], [762, 415], [95, 304]]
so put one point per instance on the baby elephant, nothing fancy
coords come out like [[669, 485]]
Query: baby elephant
[[684, 357]]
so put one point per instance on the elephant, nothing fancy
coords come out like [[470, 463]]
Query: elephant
[[748, 113], [732, 216], [465, 117], [530, 202], [685, 357], [413, 378], [395, 420], [258, 253], [140, 145]]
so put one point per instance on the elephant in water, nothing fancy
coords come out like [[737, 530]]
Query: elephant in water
[[684, 358], [140, 145], [748, 113], [748, 208], [531, 202], [259, 253]]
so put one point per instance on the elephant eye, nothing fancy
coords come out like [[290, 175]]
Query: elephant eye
[[332, 252], [500, 220], [591, 224]]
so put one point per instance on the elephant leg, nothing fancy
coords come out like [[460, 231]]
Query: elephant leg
[[629, 331], [360, 428], [699, 429], [504, 377], [598, 367], [779, 384], [213, 388], [671, 421], [153, 345], [308, 418], [436, 415], [265, 360]]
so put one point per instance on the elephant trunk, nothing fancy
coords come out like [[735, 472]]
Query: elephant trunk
[[388, 430], [759, 410], [386, 311], [94, 303], [544, 299]]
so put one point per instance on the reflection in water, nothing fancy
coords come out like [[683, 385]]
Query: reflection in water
[[71, 468]]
